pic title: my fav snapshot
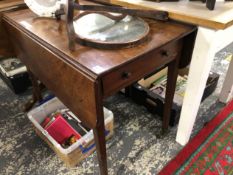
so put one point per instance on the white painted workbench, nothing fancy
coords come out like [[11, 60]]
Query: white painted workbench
[[215, 31]]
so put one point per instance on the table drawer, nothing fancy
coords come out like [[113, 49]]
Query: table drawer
[[133, 71]]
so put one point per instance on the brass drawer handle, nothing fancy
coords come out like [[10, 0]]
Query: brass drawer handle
[[126, 75]]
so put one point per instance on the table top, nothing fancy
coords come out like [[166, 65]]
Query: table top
[[82, 78], [91, 60], [191, 12]]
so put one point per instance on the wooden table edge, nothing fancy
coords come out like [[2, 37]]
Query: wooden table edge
[[5, 5], [87, 73], [179, 17]]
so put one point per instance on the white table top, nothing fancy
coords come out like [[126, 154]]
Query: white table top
[[192, 12]]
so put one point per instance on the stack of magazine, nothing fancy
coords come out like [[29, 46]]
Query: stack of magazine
[[159, 87]]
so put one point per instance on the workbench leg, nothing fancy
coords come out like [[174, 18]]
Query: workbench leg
[[99, 135], [170, 91], [203, 55], [227, 89]]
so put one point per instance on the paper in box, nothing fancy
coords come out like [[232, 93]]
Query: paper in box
[[79, 150]]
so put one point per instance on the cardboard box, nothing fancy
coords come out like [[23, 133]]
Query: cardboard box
[[78, 151]]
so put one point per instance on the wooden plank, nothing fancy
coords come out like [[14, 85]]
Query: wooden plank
[[190, 12], [5, 4]]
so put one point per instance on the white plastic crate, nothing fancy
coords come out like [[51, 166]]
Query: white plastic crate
[[85, 145]]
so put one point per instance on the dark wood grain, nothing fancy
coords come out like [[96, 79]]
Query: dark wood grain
[[91, 60], [188, 45], [170, 91], [99, 132], [84, 77], [139, 68], [36, 94], [6, 49], [73, 87]]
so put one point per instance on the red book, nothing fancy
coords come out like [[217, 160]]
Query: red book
[[60, 130]]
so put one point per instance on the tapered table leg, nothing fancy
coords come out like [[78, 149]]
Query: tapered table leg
[[170, 90], [206, 45], [36, 94], [99, 134]]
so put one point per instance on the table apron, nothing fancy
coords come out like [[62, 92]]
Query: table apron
[[146, 64]]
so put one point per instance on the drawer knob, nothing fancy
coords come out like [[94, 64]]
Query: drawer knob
[[126, 75], [164, 53]]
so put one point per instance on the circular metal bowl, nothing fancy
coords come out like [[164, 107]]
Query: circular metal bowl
[[102, 32]]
